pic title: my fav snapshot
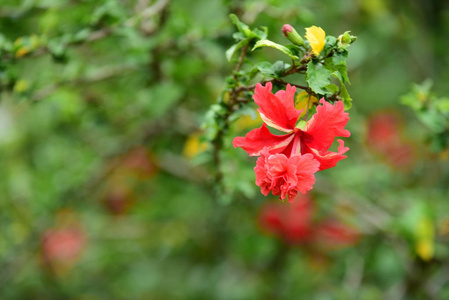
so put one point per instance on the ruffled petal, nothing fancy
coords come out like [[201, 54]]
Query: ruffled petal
[[328, 123], [277, 111], [285, 176], [258, 138], [327, 159], [306, 167]]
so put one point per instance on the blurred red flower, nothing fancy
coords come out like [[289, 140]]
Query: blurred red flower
[[127, 172], [384, 136], [118, 199], [294, 224], [62, 247]]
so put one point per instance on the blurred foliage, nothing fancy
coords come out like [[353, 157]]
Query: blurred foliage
[[107, 188]]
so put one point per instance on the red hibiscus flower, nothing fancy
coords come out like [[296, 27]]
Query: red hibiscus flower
[[288, 163], [278, 111]]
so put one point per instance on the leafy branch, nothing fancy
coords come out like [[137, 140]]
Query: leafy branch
[[318, 70]]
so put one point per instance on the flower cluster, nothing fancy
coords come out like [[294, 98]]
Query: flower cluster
[[288, 163]]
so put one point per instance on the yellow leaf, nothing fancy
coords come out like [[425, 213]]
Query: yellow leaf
[[424, 234], [425, 250], [21, 86], [194, 146], [22, 52], [444, 155], [301, 102], [245, 122], [316, 37]]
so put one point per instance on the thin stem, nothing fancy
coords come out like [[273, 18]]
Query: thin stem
[[241, 59], [292, 84]]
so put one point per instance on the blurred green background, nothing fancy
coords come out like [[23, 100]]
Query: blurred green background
[[106, 187]]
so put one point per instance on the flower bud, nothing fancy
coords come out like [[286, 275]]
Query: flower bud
[[291, 34], [346, 39]]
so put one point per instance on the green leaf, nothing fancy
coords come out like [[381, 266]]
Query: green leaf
[[340, 57], [337, 64], [433, 120], [261, 33], [266, 69], [234, 48], [333, 88], [275, 70], [268, 43], [347, 100], [331, 44], [242, 27], [341, 71], [318, 77]]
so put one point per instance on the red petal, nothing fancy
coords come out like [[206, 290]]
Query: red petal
[[258, 138], [327, 159], [307, 166], [277, 111], [328, 123]]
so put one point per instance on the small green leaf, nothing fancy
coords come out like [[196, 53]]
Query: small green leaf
[[332, 88], [331, 44], [337, 64], [342, 73], [433, 120], [318, 77], [268, 43], [261, 33], [234, 48], [347, 100], [242, 27], [275, 70], [279, 68], [340, 57], [266, 69]]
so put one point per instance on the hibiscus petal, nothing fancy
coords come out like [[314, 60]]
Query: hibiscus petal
[[328, 123], [258, 138], [307, 166], [328, 159], [285, 176], [277, 111]]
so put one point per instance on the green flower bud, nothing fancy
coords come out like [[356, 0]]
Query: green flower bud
[[291, 34], [346, 39]]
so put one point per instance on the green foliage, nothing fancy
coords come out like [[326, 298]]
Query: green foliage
[[112, 114], [432, 111], [318, 77]]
